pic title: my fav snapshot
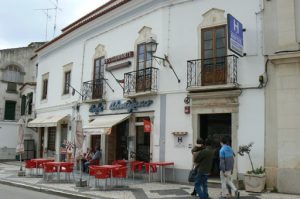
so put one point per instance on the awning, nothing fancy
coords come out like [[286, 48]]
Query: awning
[[46, 121], [103, 124]]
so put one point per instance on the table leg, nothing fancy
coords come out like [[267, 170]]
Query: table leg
[[173, 174], [161, 174], [149, 172]]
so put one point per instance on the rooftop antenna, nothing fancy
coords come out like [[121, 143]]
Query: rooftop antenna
[[46, 12], [55, 15]]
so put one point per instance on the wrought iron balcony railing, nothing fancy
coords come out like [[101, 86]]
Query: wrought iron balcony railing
[[144, 80], [93, 89], [212, 72]]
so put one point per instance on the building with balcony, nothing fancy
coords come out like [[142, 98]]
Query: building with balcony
[[166, 63], [17, 74]]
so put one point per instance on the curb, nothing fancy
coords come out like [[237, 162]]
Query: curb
[[47, 190]]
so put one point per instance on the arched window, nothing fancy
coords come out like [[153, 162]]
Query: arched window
[[13, 73]]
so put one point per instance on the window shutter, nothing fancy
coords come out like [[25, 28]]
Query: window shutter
[[23, 105], [10, 108]]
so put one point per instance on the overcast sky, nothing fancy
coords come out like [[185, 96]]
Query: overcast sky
[[25, 21]]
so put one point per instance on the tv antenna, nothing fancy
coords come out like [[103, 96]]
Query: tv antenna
[[48, 16]]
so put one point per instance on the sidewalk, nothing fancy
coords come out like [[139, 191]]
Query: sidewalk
[[138, 189]]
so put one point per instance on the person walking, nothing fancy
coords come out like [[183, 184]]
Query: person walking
[[198, 147], [226, 168], [203, 160]]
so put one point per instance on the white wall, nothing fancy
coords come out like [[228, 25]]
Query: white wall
[[177, 37]]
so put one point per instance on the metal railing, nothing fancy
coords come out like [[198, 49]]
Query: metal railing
[[213, 71], [142, 80], [93, 89]]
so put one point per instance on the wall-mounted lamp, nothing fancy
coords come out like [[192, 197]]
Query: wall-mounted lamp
[[151, 47]]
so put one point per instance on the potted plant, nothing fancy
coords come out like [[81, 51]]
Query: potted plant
[[255, 179]]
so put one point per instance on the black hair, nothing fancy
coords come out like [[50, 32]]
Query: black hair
[[225, 140], [200, 141]]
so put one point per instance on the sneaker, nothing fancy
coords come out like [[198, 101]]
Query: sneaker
[[237, 194]]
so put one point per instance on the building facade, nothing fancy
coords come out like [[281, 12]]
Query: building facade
[[17, 69], [147, 78], [282, 38]]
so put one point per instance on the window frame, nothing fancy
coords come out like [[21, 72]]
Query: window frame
[[45, 89], [23, 105], [67, 82], [7, 112]]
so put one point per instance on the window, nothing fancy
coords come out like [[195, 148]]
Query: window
[[11, 87], [23, 105], [98, 78], [214, 51], [144, 72], [51, 138], [45, 88], [67, 82], [10, 108], [29, 103], [13, 73]]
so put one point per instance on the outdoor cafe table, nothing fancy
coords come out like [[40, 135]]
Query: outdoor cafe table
[[58, 165], [162, 166], [40, 161], [109, 167]]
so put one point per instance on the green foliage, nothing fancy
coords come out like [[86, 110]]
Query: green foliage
[[257, 171], [246, 149]]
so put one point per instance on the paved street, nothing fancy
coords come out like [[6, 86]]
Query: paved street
[[12, 192], [138, 189]]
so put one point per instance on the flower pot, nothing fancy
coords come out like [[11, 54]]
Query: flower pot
[[254, 183]]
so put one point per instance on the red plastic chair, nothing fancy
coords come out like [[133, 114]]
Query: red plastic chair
[[120, 162], [92, 172], [68, 168], [150, 167], [48, 168], [102, 173], [136, 166], [30, 165], [120, 173]]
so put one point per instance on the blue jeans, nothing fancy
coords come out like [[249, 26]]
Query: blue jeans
[[201, 185], [86, 166]]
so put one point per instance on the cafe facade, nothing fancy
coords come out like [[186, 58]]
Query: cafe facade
[[147, 78]]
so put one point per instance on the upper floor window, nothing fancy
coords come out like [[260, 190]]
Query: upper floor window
[[67, 82], [45, 88], [144, 72], [98, 78], [10, 108], [12, 73], [23, 104], [29, 103], [11, 87], [213, 54]]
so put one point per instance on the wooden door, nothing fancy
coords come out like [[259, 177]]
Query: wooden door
[[214, 60]]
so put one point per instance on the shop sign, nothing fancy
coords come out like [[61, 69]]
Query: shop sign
[[119, 57], [96, 108], [130, 105], [235, 35], [147, 126]]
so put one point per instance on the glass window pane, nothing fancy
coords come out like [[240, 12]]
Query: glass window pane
[[141, 57], [208, 54], [148, 63], [208, 35], [141, 48], [149, 56], [221, 43], [221, 52], [220, 33], [208, 44]]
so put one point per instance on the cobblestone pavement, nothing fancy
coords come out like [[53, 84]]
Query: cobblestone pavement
[[137, 189]]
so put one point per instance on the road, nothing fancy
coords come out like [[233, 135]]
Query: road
[[11, 192]]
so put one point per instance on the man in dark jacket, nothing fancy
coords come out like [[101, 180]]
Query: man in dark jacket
[[203, 160]]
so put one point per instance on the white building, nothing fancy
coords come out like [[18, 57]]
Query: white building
[[109, 44], [282, 47], [17, 73]]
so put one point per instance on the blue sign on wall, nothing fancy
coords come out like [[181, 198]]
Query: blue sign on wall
[[235, 35]]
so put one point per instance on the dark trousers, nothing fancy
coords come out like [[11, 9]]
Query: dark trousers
[[201, 185]]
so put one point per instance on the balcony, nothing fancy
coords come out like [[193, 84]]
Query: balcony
[[141, 82], [211, 74], [93, 90]]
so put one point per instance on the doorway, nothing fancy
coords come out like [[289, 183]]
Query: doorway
[[214, 127], [142, 141]]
